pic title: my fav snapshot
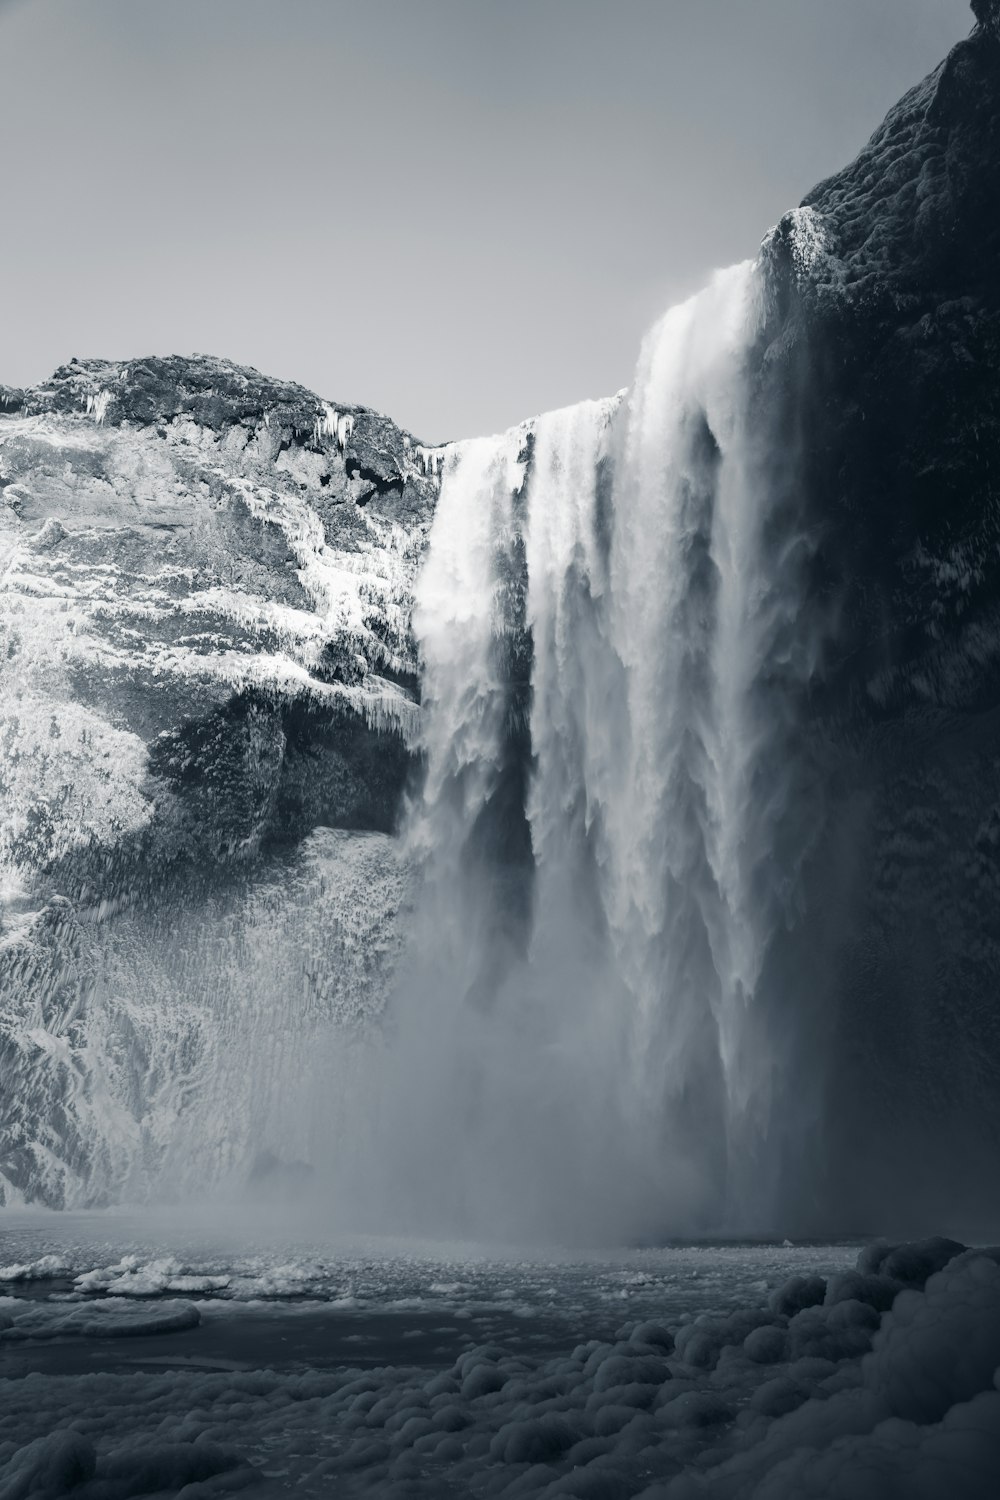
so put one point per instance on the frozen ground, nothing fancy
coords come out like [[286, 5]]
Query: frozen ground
[[136, 1359]]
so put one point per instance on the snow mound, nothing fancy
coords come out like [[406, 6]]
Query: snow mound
[[65, 1462]]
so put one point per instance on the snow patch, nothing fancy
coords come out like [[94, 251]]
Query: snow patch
[[808, 239]]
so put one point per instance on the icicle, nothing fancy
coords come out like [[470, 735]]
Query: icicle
[[430, 460], [326, 423], [97, 405], [334, 425]]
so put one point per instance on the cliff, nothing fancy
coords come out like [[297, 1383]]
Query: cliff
[[886, 357]]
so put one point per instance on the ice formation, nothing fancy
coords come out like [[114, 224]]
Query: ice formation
[[187, 569], [180, 1071], [808, 240], [325, 425], [337, 426], [430, 460], [97, 405], [345, 427]]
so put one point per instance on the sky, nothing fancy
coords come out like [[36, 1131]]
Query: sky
[[460, 212]]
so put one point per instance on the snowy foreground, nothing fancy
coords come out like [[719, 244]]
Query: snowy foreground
[[133, 1363]]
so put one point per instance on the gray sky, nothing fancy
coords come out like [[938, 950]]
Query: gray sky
[[458, 211]]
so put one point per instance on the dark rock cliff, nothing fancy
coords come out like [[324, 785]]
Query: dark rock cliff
[[887, 357]]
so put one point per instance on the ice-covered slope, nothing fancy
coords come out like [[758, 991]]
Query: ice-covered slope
[[206, 579], [205, 652]]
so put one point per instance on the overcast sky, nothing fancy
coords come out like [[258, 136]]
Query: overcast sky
[[458, 211]]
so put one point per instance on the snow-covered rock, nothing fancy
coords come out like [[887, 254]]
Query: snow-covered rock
[[205, 654], [170, 1047], [206, 578]]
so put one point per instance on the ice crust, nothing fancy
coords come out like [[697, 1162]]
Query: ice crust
[[112, 1317], [186, 1072], [861, 1404]]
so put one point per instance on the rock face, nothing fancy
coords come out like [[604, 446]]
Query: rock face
[[887, 360], [987, 13]]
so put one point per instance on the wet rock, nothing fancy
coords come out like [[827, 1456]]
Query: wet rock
[[882, 355], [987, 14]]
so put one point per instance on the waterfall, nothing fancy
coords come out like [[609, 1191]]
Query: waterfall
[[688, 590], [700, 603], [465, 608], [595, 1066]]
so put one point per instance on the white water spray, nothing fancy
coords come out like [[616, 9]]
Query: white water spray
[[618, 1076]]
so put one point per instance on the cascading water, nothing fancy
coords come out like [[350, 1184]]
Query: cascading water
[[595, 1067], [701, 604]]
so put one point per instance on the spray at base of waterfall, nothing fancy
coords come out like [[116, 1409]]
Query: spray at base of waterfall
[[610, 624]]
